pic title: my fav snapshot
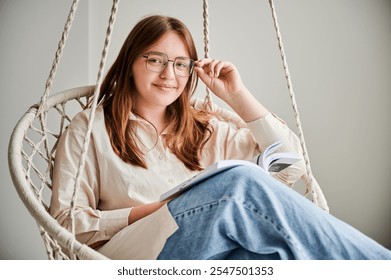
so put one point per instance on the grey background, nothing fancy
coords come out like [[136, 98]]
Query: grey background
[[339, 57]]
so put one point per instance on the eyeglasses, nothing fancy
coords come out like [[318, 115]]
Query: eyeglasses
[[157, 62]]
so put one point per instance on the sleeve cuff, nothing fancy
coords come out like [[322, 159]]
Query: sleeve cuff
[[268, 130], [113, 221]]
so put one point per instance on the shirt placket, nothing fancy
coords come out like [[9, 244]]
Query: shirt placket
[[166, 164]]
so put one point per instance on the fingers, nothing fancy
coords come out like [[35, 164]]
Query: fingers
[[221, 77], [212, 67]]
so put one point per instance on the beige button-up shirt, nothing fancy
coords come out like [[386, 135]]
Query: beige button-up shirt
[[109, 187]]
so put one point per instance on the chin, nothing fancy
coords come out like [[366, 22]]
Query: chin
[[168, 99]]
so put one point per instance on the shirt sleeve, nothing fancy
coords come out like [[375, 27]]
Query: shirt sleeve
[[246, 143], [270, 129], [91, 224]]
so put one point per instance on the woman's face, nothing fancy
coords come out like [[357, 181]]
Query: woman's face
[[158, 90]]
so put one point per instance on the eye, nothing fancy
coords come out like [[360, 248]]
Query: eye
[[155, 60], [182, 64]]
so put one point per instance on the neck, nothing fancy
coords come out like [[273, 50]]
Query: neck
[[158, 118]]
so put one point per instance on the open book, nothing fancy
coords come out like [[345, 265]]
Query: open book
[[267, 161], [275, 162]]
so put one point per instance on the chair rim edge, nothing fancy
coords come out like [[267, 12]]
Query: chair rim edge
[[39, 213]]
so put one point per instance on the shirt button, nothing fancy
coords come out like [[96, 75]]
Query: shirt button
[[171, 180], [161, 157]]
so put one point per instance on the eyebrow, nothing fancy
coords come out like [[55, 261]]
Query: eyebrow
[[158, 52]]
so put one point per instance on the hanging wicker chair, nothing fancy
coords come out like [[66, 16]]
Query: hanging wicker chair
[[32, 149]]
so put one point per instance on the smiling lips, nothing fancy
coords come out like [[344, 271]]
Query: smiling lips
[[165, 86]]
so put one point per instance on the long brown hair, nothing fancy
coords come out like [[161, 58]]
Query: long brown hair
[[190, 128]]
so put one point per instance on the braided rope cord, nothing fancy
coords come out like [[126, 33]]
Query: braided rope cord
[[311, 184], [79, 174], [41, 113], [208, 99], [53, 250], [58, 55], [49, 82]]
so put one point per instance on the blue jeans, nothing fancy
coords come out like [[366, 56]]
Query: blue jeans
[[243, 213]]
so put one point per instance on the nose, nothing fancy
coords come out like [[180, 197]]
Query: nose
[[168, 71]]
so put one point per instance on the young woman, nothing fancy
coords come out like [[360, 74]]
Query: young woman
[[147, 138]]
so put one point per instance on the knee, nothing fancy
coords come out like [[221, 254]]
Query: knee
[[248, 175], [245, 180], [240, 183]]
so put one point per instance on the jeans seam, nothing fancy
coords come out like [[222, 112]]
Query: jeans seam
[[199, 208], [275, 225]]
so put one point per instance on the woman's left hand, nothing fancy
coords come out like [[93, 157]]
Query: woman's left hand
[[221, 77], [224, 80]]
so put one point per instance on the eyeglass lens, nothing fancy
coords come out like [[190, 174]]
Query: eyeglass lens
[[157, 62]]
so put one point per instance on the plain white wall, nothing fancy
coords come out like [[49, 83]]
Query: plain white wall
[[338, 55]]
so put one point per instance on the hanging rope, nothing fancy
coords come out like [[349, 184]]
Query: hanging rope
[[41, 112], [92, 113], [205, 14], [58, 55], [311, 184]]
